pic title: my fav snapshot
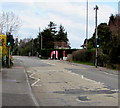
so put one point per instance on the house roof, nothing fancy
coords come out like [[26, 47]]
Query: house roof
[[61, 44]]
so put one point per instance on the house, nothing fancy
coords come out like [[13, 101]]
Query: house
[[84, 44], [61, 45]]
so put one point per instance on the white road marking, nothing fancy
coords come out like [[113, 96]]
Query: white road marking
[[110, 74], [82, 76], [48, 63], [72, 73], [34, 84], [21, 62], [29, 72], [116, 90], [50, 71], [31, 76], [38, 79]]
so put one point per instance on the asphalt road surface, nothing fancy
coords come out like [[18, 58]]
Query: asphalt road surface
[[59, 83]]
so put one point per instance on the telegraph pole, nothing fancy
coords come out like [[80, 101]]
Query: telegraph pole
[[96, 58], [40, 42], [41, 37], [32, 46]]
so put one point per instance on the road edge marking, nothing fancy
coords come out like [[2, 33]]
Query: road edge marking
[[30, 90]]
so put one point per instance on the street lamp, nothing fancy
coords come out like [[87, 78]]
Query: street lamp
[[86, 23], [96, 58]]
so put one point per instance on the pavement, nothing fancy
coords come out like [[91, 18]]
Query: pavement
[[16, 90], [0, 89]]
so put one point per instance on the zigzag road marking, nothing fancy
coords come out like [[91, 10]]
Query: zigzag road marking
[[34, 84], [37, 79]]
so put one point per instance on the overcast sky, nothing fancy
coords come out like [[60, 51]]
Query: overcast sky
[[70, 13]]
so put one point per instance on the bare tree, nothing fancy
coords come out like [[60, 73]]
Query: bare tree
[[9, 22]]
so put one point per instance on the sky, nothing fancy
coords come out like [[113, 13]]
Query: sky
[[70, 13]]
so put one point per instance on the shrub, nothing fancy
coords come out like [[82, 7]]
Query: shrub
[[69, 58], [84, 55]]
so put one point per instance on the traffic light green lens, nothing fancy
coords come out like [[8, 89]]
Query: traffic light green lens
[[8, 43]]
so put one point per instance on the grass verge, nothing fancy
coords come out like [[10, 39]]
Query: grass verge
[[85, 63]]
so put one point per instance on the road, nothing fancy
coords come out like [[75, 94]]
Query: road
[[59, 83]]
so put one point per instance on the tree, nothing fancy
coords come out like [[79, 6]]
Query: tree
[[15, 48], [114, 24], [109, 35], [25, 46], [62, 35], [47, 39], [104, 34], [105, 37], [52, 27], [35, 47], [48, 35], [9, 22]]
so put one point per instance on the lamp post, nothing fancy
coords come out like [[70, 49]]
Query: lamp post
[[96, 33], [86, 23]]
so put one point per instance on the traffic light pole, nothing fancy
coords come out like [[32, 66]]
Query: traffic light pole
[[9, 44], [9, 56], [96, 57]]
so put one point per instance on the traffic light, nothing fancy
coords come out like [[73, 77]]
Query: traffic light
[[97, 42], [10, 40]]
